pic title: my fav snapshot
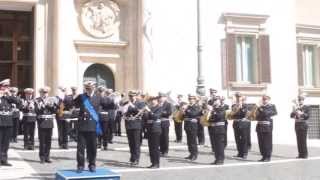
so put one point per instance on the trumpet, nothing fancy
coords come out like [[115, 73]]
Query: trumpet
[[297, 108]]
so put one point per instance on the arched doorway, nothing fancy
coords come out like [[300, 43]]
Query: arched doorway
[[100, 74]]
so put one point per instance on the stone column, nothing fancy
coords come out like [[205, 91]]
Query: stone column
[[200, 79], [40, 43]]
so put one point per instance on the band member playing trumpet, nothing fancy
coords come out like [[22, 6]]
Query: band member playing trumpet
[[46, 109], [192, 114], [264, 127], [29, 119], [133, 124], [153, 125], [6, 122], [217, 131], [301, 114], [240, 125]]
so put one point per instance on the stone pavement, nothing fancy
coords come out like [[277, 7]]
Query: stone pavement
[[27, 166]]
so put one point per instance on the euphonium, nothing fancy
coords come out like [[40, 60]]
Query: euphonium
[[204, 119], [178, 116], [253, 113]]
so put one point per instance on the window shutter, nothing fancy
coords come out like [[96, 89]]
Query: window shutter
[[231, 57], [300, 64], [264, 59]]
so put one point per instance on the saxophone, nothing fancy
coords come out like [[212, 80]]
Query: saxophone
[[206, 114]]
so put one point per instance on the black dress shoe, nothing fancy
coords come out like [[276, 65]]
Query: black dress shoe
[[267, 160], [48, 161], [218, 162], [111, 142], [193, 158], [154, 166], [6, 164], [188, 157], [92, 168], [42, 161], [105, 148], [80, 169]]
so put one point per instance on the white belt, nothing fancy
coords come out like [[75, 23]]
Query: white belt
[[152, 121], [241, 120], [4, 113], [104, 113], [131, 119], [191, 120], [264, 122], [46, 116], [300, 121], [67, 112], [165, 119], [29, 114], [217, 124]]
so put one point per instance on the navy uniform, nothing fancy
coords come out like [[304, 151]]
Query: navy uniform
[[153, 125], [87, 135], [73, 130], [62, 118], [112, 110], [46, 109], [178, 125], [301, 114], [217, 131], [213, 98], [191, 117], [225, 107], [166, 111], [6, 122], [241, 126], [133, 124], [107, 106], [119, 116], [29, 119], [264, 128], [16, 113], [66, 116]]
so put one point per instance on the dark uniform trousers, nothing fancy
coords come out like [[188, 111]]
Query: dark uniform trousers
[[211, 134], [164, 137], [134, 139], [5, 135], [226, 134], [178, 131], [86, 140], [15, 128], [154, 131], [241, 133], [191, 129], [219, 142], [301, 129], [63, 132], [118, 123], [265, 144], [45, 126], [29, 129], [200, 134], [103, 139], [133, 128]]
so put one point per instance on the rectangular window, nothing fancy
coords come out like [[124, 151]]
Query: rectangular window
[[310, 64], [246, 59]]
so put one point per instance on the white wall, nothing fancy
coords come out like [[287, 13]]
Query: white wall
[[175, 42]]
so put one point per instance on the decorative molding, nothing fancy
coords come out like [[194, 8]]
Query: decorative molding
[[245, 23], [247, 89], [100, 18], [310, 91], [308, 34], [85, 43]]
